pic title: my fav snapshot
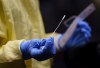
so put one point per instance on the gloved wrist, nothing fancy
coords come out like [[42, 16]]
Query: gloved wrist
[[24, 49]]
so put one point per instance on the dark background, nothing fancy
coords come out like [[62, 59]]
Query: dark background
[[52, 12]]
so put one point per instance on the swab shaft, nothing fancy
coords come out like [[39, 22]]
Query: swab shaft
[[58, 25]]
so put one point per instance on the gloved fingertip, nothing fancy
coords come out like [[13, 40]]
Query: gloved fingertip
[[51, 38], [88, 36], [83, 30], [81, 23], [86, 32], [43, 41], [85, 25]]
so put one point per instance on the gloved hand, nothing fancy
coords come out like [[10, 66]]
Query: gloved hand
[[38, 49], [80, 36]]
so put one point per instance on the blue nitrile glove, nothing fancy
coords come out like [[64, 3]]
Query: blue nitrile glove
[[38, 49], [80, 36]]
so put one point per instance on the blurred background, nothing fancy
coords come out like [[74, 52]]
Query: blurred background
[[52, 12]]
